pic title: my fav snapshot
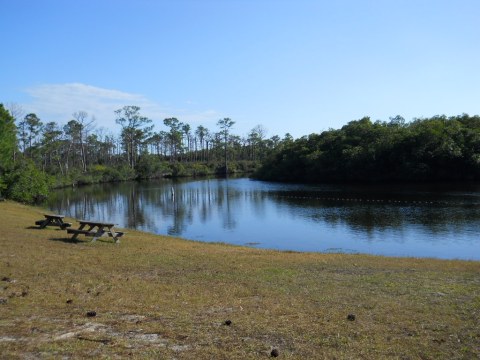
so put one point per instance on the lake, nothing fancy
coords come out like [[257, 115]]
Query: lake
[[439, 221]]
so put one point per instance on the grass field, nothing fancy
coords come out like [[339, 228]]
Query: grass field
[[167, 298]]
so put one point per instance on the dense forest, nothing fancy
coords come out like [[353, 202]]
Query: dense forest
[[439, 148], [36, 156]]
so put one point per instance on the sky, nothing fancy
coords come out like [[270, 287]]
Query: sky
[[291, 66]]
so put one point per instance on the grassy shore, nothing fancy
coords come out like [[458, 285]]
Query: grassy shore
[[162, 297]]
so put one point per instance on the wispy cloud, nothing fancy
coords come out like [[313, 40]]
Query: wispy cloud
[[57, 102]]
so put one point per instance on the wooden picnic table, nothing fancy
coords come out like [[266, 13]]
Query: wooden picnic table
[[53, 220], [96, 229]]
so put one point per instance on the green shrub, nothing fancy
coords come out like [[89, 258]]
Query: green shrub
[[149, 166], [123, 173], [200, 170], [27, 184], [85, 179], [178, 170]]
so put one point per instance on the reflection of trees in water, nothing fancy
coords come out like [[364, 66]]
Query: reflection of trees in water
[[380, 215], [150, 206], [202, 200], [181, 211], [97, 202], [143, 205], [206, 200], [227, 199], [136, 214]]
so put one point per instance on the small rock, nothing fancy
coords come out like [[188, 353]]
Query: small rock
[[274, 353], [69, 301], [3, 301], [351, 317], [6, 278], [91, 313], [228, 322]]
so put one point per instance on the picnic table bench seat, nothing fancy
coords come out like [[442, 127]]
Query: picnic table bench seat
[[93, 232]]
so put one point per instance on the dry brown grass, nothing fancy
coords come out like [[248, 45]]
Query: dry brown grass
[[162, 297]]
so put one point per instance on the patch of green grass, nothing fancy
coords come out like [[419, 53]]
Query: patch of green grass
[[163, 297]]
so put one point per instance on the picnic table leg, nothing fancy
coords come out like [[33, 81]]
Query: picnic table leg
[[116, 238], [45, 223], [76, 234], [112, 232], [99, 233]]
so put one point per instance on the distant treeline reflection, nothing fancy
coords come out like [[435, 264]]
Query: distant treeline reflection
[[148, 205]]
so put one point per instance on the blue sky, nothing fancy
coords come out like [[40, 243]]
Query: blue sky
[[292, 66]]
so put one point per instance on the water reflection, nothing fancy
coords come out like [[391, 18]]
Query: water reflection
[[424, 221], [369, 216]]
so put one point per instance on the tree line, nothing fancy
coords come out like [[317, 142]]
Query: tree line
[[439, 148], [79, 152], [35, 156]]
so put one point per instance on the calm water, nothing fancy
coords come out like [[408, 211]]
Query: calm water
[[429, 221]]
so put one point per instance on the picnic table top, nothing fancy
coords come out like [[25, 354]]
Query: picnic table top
[[95, 223], [54, 216]]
